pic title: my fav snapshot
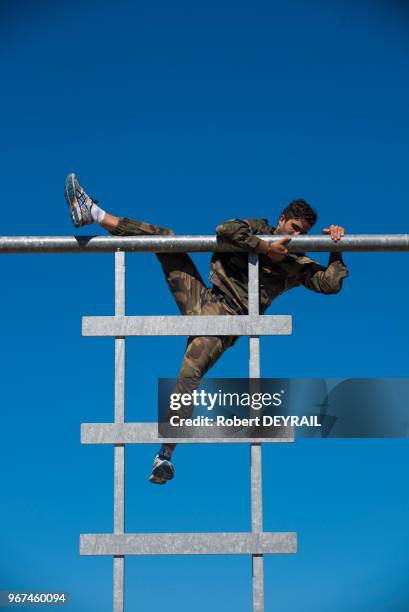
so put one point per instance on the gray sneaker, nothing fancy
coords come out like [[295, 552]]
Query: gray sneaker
[[162, 470], [79, 201]]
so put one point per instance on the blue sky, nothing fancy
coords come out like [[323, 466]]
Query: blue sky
[[186, 114]]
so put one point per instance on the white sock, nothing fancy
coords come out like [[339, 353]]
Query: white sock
[[97, 213]]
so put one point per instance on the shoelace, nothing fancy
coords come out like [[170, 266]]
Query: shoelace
[[83, 197]]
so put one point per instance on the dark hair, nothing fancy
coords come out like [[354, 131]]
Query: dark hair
[[300, 209]]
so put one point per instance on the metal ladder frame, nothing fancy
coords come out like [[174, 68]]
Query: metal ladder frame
[[119, 544]]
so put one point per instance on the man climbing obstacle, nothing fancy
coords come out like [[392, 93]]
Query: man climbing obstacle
[[279, 271]]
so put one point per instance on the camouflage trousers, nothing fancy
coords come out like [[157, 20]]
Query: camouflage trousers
[[193, 298]]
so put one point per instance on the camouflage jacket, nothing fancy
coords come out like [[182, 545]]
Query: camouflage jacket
[[229, 271]]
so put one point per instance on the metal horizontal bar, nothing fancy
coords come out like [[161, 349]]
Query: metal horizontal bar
[[168, 244], [147, 433], [181, 325], [188, 543]]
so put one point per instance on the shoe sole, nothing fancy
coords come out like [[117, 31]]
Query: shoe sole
[[158, 481], [69, 192], [161, 474]]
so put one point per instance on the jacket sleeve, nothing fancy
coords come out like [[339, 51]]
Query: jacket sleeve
[[242, 232], [320, 279]]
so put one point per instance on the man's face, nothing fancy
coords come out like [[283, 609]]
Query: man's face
[[293, 227]]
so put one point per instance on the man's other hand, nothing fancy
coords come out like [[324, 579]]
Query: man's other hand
[[335, 231], [275, 251]]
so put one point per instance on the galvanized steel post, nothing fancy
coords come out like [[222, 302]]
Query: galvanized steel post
[[119, 449], [255, 448]]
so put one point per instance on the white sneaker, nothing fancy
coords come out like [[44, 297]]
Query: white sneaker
[[79, 201]]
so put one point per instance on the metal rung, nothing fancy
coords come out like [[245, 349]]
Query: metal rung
[[147, 433], [188, 543], [218, 325], [180, 244]]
